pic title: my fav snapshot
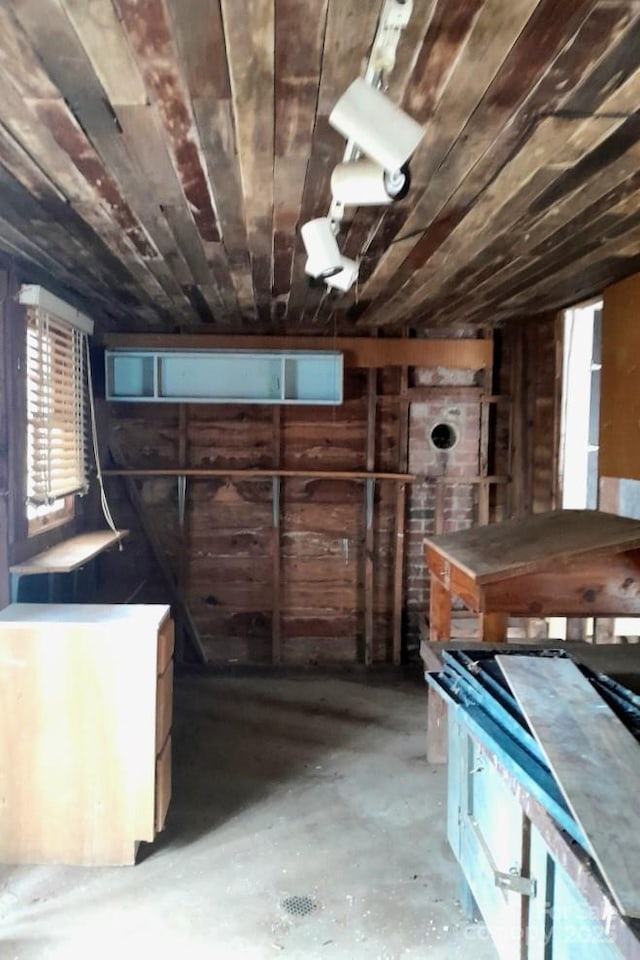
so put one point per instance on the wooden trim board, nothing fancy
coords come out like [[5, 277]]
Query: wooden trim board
[[248, 474], [463, 354], [594, 758]]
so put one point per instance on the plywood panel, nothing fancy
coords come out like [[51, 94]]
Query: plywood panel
[[619, 454], [594, 758]]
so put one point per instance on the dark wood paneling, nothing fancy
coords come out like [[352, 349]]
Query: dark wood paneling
[[619, 454]]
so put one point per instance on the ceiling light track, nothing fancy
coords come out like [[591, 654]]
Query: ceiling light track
[[380, 140]]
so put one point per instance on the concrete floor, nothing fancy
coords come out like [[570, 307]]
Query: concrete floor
[[314, 788]]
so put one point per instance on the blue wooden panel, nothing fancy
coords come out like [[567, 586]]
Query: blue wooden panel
[[562, 926], [487, 832], [226, 377]]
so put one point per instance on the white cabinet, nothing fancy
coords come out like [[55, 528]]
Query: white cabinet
[[86, 695], [224, 376]]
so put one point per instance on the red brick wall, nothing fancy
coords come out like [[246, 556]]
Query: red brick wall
[[456, 507]]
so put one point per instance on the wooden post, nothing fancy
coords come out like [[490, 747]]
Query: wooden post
[[183, 555], [438, 522], [275, 541], [484, 490], [439, 612], [369, 494], [401, 499], [493, 627], [5, 361]]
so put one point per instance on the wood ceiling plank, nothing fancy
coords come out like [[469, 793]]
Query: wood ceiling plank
[[594, 758], [104, 40], [562, 142], [250, 42], [193, 221], [59, 50], [605, 262], [148, 31], [562, 219], [558, 151], [215, 125], [198, 33], [586, 234], [297, 77]]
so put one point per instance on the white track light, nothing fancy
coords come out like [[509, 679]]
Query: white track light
[[348, 275], [382, 131], [364, 182], [324, 259]]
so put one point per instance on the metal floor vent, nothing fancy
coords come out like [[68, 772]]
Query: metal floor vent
[[298, 906]]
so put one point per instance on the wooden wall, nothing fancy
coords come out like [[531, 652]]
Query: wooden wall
[[619, 454], [526, 435], [228, 567]]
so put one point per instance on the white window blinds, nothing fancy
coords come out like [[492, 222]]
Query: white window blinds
[[56, 407]]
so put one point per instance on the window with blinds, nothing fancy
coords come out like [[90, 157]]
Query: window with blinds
[[57, 446]]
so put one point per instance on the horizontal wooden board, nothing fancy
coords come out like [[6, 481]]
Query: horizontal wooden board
[[465, 354]]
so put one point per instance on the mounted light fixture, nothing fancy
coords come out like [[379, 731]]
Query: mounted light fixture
[[363, 182], [347, 276], [380, 129], [323, 256]]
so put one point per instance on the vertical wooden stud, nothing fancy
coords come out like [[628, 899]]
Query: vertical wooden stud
[[401, 499], [4, 446], [493, 627], [276, 615], [484, 489], [372, 385]]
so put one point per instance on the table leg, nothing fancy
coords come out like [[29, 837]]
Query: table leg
[[493, 627], [439, 612]]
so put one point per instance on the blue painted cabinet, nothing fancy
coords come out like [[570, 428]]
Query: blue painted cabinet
[[530, 904]]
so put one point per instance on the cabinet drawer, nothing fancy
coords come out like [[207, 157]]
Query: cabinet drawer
[[166, 641], [163, 784], [164, 706]]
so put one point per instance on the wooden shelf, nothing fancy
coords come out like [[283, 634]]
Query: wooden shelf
[[255, 474], [70, 554]]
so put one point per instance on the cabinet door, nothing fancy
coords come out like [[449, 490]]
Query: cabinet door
[[562, 926], [486, 825]]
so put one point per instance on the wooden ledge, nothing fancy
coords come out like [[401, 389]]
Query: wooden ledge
[[249, 474], [70, 554]]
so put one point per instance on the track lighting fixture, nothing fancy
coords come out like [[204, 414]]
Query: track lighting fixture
[[380, 129], [363, 182], [347, 276], [323, 255]]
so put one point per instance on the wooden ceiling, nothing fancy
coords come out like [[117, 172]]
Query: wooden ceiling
[[158, 156]]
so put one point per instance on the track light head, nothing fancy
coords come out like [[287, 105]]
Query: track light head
[[381, 130], [347, 276], [323, 255], [363, 182]]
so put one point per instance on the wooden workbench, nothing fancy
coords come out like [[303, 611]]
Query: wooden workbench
[[573, 563]]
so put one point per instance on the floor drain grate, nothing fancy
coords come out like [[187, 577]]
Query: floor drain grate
[[299, 906]]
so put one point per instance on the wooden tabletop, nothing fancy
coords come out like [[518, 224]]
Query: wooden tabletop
[[70, 554], [526, 545]]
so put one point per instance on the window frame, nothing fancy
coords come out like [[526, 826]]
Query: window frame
[[44, 309]]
